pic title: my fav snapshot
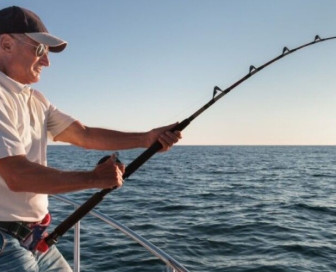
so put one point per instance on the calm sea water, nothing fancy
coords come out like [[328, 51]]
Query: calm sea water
[[213, 208]]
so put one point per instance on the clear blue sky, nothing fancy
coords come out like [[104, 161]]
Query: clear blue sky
[[135, 65]]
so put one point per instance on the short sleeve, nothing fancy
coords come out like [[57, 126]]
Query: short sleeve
[[57, 121]]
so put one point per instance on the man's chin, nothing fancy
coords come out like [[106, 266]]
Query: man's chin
[[34, 79]]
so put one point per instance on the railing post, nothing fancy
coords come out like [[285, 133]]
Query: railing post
[[77, 247]]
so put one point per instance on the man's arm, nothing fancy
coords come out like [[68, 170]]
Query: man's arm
[[22, 175], [105, 139], [33, 177]]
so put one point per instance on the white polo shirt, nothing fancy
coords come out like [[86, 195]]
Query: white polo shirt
[[26, 120]]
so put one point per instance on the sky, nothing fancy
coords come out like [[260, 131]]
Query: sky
[[133, 65]]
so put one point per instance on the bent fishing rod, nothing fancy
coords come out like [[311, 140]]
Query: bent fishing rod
[[218, 93]]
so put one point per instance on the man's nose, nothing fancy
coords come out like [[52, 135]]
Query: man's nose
[[44, 60]]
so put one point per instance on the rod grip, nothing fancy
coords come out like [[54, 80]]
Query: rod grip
[[75, 217]]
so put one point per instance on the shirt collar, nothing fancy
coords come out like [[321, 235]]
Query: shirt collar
[[12, 85]]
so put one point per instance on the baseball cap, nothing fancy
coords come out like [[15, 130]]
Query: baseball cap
[[17, 20]]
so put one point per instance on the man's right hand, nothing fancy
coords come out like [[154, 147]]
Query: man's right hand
[[108, 174]]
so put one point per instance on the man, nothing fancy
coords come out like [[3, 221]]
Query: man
[[26, 117]]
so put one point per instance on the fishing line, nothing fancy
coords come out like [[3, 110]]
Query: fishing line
[[191, 106], [217, 94]]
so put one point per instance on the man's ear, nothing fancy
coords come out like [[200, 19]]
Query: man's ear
[[6, 43]]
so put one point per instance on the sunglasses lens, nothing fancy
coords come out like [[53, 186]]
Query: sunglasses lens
[[40, 50]]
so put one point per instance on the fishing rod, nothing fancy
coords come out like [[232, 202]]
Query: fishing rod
[[218, 93]]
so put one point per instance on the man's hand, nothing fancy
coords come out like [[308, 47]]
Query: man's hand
[[166, 138], [109, 174]]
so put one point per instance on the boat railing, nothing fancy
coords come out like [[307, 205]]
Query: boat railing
[[171, 264]]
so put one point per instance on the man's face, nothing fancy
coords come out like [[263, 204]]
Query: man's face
[[25, 66]]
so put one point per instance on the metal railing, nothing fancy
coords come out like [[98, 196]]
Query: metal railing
[[171, 264]]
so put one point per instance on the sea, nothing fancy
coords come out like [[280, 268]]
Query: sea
[[212, 208]]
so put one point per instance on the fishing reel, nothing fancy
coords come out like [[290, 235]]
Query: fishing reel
[[105, 158]]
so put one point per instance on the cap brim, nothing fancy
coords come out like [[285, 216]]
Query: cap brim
[[55, 44]]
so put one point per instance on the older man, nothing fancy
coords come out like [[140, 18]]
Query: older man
[[26, 117]]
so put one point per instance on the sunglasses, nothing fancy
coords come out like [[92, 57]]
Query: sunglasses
[[41, 49]]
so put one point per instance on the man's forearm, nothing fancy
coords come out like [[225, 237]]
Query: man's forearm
[[33, 177], [102, 139], [106, 139]]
